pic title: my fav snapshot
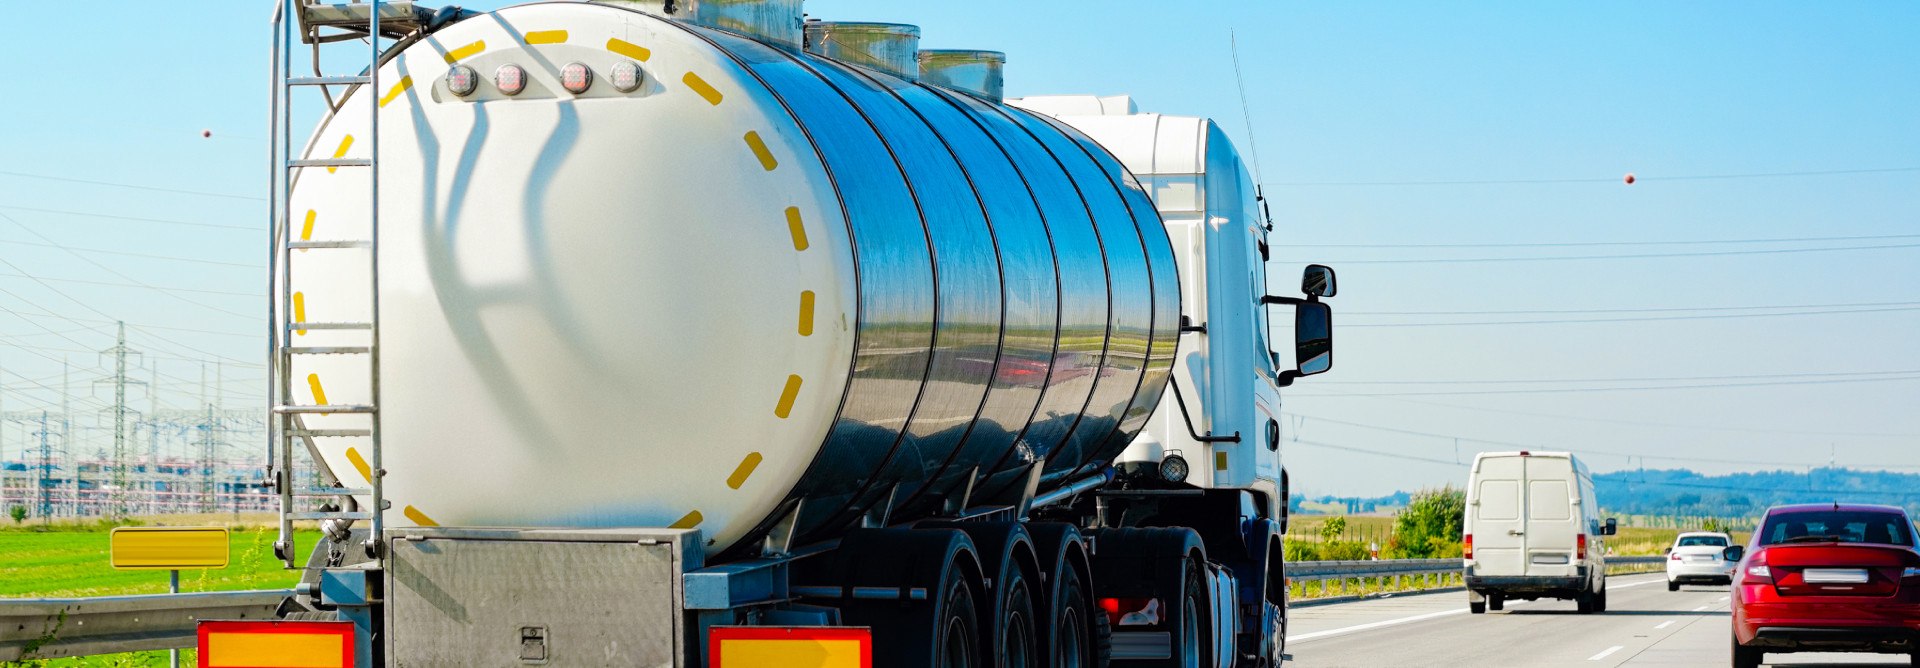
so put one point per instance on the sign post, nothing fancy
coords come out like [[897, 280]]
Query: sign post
[[169, 549]]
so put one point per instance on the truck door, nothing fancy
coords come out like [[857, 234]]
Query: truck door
[[1549, 512], [1499, 526]]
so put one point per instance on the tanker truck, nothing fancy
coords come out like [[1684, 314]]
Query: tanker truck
[[700, 333]]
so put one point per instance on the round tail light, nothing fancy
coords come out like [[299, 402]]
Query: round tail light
[[626, 76], [576, 77], [462, 80], [510, 79]]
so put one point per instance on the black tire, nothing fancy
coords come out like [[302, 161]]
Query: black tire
[[1477, 607], [1071, 642], [1192, 621], [1016, 634], [1914, 659], [1102, 640], [1745, 657], [1496, 602], [1673, 585], [1600, 601], [1583, 602], [957, 635]]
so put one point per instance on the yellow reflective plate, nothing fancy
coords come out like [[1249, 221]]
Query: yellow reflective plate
[[168, 548]]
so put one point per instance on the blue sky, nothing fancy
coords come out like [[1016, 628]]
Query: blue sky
[[1357, 111]]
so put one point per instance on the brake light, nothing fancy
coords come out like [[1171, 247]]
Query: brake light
[[1131, 611], [1757, 571], [1582, 542], [1675, 557], [1466, 546]]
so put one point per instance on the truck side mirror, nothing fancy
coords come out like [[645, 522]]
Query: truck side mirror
[[1734, 553], [1312, 338], [1613, 527], [1317, 281]]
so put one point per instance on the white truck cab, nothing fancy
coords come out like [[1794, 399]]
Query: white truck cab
[[1533, 530]]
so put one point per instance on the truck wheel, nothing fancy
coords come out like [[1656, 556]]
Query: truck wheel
[[1102, 640], [1583, 602], [1477, 607], [1015, 633], [958, 635], [1496, 602], [1073, 624], [1600, 600], [1191, 650]]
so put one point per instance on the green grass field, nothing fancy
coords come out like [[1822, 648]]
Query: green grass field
[[71, 561]]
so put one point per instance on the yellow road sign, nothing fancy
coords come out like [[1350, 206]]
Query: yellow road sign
[[168, 548]]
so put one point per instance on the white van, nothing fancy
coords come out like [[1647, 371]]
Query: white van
[[1533, 530]]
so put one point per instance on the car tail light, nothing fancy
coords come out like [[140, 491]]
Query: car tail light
[[1582, 543], [1675, 557], [1757, 571], [576, 77], [1131, 611], [1466, 546]]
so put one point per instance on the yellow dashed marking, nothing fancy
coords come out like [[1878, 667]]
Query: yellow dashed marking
[[701, 86], [745, 469], [1219, 461], [760, 151], [418, 517], [806, 313], [345, 143], [690, 521], [360, 464], [300, 309], [319, 395], [798, 230], [455, 55], [629, 49], [787, 396], [547, 37], [306, 230], [394, 92]]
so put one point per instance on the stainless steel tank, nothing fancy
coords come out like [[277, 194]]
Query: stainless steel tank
[[587, 323]]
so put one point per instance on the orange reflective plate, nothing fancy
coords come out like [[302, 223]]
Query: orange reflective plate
[[276, 644], [790, 647]]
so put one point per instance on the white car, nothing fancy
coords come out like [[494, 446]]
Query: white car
[[1696, 558]]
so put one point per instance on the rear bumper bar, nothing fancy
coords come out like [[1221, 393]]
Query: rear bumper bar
[[1528, 583], [1889, 639]]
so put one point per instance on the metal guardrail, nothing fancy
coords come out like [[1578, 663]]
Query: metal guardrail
[[1333, 570], [47, 628]]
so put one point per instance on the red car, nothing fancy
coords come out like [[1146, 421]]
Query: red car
[[1827, 578]]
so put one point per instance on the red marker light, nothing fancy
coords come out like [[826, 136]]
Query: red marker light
[[1629, 178], [206, 133]]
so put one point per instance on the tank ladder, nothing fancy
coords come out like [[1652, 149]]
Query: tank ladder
[[318, 22]]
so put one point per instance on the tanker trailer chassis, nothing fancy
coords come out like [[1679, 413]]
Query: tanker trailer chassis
[[985, 590]]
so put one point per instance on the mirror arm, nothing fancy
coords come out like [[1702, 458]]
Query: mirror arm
[[1285, 378], [1290, 301]]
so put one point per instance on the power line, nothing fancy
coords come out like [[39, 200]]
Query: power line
[[82, 281], [103, 251], [131, 186], [1627, 256], [29, 314], [1643, 379], [1560, 390], [1646, 423], [1565, 321], [1608, 179], [109, 216], [116, 272], [1580, 244], [1635, 309], [1539, 446]]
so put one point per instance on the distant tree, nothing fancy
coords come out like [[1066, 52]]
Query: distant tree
[[18, 513], [1331, 529], [1713, 524], [1430, 526]]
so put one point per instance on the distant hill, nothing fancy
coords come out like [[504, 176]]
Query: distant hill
[[1688, 493]]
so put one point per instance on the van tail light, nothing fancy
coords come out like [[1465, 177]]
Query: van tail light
[[1581, 542], [1466, 546]]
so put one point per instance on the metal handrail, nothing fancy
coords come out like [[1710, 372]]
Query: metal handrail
[[48, 628]]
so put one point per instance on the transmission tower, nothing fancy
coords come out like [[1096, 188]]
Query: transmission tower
[[119, 353]]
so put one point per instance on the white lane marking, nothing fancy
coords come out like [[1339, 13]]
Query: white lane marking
[[1704, 607], [1724, 599], [1663, 625], [1430, 615], [1375, 625], [1602, 655]]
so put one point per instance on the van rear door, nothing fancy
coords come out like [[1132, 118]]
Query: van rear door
[[1551, 520], [1499, 523]]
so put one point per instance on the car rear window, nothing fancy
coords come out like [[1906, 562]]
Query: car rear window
[[1712, 541], [1837, 526]]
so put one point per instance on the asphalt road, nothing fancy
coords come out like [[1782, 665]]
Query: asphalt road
[[1644, 625]]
